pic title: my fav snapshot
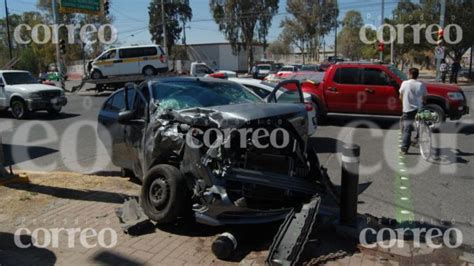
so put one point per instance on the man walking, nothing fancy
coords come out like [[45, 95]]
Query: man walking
[[412, 94], [455, 68]]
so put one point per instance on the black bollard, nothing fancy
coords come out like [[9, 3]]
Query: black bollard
[[349, 184], [224, 246]]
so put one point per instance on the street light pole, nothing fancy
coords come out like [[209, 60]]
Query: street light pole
[[8, 31], [163, 21], [55, 18]]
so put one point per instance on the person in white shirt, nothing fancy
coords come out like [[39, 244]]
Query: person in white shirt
[[412, 94], [443, 68]]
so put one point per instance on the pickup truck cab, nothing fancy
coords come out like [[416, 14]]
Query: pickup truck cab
[[369, 88], [22, 93]]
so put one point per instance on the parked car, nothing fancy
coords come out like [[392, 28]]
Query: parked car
[[200, 69], [370, 88], [287, 69], [130, 60], [22, 93], [158, 130], [260, 71], [264, 89]]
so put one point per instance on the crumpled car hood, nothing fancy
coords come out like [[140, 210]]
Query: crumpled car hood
[[235, 115]]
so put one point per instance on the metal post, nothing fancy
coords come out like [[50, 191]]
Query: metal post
[[470, 63], [335, 42], [392, 48], [8, 31], [349, 184], [381, 23], [441, 24], [163, 21], [58, 56]]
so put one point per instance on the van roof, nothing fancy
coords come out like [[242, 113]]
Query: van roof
[[136, 46]]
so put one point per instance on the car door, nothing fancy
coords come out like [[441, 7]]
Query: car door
[[129, 61], [343, 91], [381, 97], [3, 94], [111, 132], [135, 130]]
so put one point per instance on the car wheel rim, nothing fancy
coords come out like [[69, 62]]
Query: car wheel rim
[[148, 72], [18, 109], [159, 193]]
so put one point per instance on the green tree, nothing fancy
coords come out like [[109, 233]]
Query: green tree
[[348, 39], [175, 12], [308, 21], [243, 21], [279, 47]]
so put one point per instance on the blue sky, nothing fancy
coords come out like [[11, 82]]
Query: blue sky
[[131, 18]]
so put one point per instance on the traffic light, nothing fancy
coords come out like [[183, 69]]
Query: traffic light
[[380, 47], [106, 7], [62, 46], [440, 36]]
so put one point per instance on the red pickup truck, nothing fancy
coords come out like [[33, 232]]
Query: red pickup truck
[[369, 88]]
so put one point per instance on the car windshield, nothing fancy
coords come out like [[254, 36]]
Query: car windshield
[[15, 78], [398, 72], [179, 95]]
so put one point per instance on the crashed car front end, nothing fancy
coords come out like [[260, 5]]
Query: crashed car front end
[[239, 176]]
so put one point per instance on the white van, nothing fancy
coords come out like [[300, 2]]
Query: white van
[[145, 59]]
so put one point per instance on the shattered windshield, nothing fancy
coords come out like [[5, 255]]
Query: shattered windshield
[[185, 94]]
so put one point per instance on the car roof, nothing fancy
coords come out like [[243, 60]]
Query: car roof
[[134, 46]]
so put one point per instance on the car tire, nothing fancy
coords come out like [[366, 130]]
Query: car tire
[[18, 109], [439, 111], [54, 111], [321, 116], [149, 71], [164, 194], [96, 74]]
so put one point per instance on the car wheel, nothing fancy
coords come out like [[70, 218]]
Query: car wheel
[[163, 196], [96, 74], [439, 112], [321, 117], [149, 71], [18, 109], [54, 111]]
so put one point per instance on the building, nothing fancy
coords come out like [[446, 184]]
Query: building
[[220, 56]]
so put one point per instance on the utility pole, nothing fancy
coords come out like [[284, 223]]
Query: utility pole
[[381, 23], [441, 24], [163, 21], [470, 63], [55, 18], [392, 48], [8, 31], [335, 42]]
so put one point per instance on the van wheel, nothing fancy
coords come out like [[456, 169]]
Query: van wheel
[[149, 71], [96, 74], [163, 196], [18, 109]]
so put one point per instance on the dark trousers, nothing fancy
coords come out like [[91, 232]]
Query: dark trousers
[[443, 76], [454, 77], [407, 127]]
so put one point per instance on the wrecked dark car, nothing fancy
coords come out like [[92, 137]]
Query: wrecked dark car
[[213, 147]]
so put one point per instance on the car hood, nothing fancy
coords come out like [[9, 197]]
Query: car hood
[[441, 86], [34, 87], [236, 115]]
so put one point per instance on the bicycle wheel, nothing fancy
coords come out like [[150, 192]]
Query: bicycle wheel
[[425, 141]]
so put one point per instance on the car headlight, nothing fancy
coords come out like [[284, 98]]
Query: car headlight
[[35, 95], [456, 96]]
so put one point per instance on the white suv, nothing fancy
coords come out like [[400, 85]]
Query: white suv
[[22, 93]]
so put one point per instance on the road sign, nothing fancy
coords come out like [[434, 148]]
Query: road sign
[[439, 52], [92, 7]]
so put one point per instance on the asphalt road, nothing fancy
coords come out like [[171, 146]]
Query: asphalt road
[[393, 187]]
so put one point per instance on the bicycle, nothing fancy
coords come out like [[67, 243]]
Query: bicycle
[[425, 120]]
